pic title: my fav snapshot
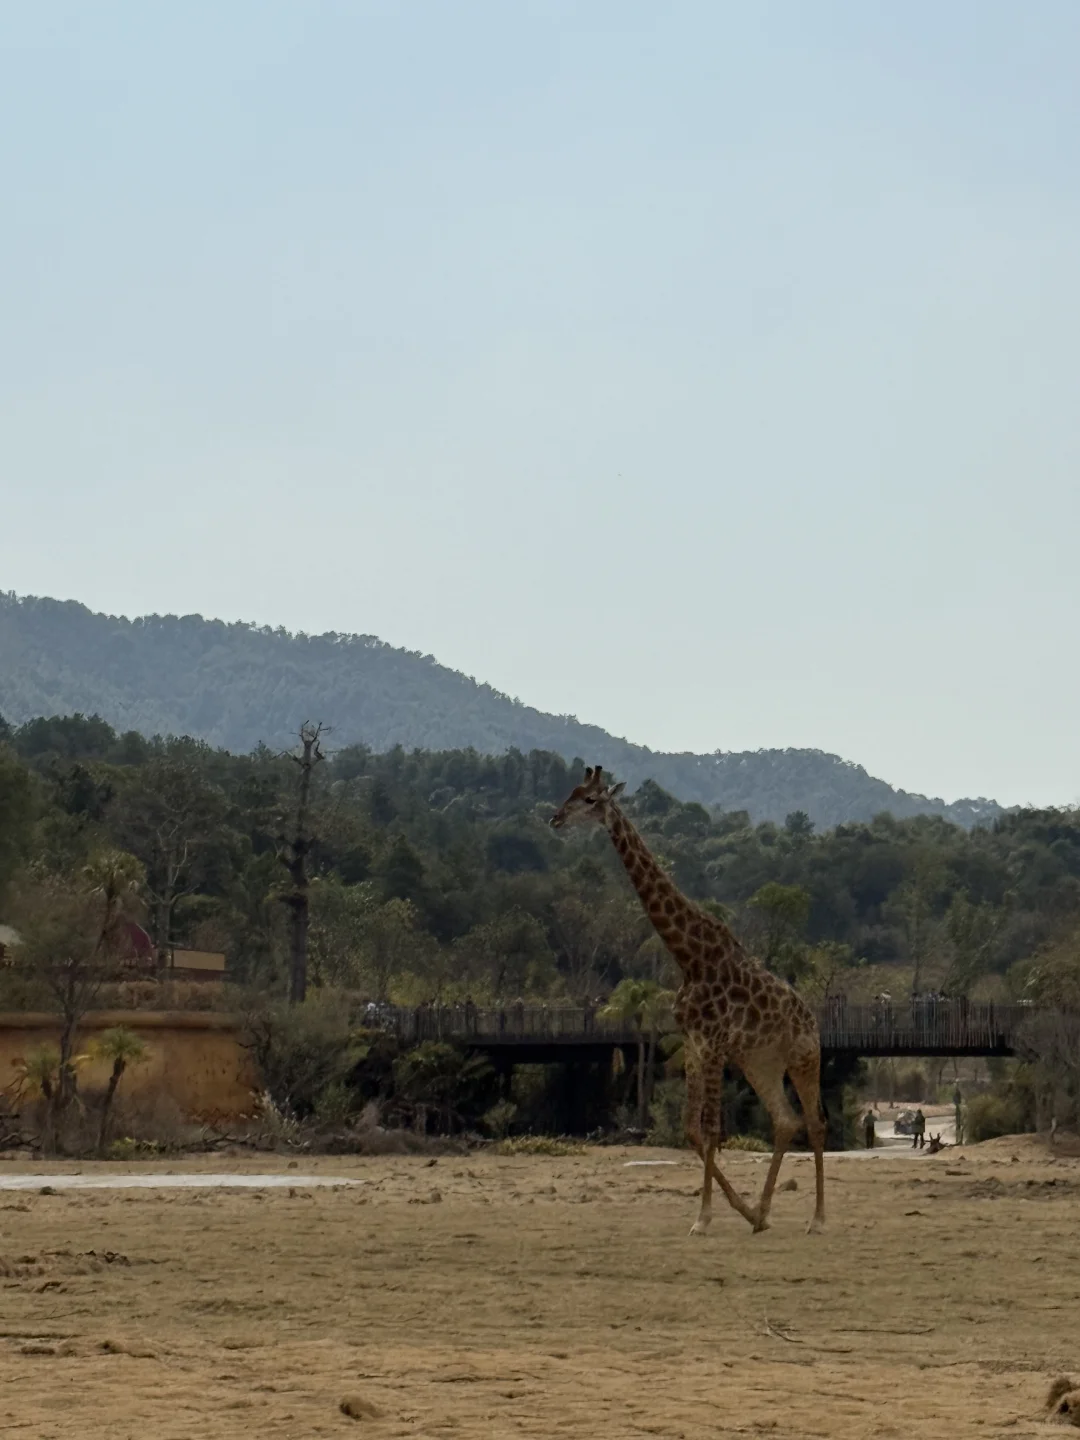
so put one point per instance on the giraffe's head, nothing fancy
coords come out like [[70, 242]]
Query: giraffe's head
[[587, 801]]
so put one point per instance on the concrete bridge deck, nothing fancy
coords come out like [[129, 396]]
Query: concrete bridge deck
[[537, 1034]]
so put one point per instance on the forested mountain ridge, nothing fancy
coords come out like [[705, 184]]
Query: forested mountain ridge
[[236, 685]]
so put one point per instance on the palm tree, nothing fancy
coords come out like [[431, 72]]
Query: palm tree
[[110, 883], [674, 1048], [37, 1077], [646, 1005], [658, 1018], [123, 1047]]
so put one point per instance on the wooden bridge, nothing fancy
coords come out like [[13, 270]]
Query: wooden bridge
[[526, 1034]]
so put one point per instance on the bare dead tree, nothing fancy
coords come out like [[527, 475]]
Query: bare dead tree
[[1052, 1039], [294, 854], [168, 817]]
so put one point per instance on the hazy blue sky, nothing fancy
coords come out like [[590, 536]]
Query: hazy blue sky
[[709, 371]]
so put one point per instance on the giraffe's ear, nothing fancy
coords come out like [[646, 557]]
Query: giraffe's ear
[[616, 790]]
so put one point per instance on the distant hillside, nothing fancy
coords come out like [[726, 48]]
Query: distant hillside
[[235, 685]]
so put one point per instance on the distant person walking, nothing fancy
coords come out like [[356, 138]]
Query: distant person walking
[[868, 1129], [918, 1131]]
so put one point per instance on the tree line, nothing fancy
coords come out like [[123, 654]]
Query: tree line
[[432, 875]]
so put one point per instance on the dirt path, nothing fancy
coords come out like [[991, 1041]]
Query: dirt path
[[537, 1298]]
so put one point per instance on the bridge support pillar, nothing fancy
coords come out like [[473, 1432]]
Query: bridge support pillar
[[838, 1071], [504, 1078], [582, 1099]]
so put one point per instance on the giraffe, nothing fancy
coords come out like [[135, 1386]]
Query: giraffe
[[730, 1009]]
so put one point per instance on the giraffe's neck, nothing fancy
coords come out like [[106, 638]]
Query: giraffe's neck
[[685, 929]]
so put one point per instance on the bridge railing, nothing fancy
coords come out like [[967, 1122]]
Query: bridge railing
[[524, 1023], [927, 1026], [903, 1027]]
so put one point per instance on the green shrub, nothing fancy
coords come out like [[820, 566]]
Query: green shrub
[[667, 1115], [500, 1117], [748, 1142], [334, 1107], [988, 1116], [538, 1145], [851, 1113], [1008, 1108], [301, 1050], [443, 1081], [130, 1149]]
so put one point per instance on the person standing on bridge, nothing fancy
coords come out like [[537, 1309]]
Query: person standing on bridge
[[868, 1129]]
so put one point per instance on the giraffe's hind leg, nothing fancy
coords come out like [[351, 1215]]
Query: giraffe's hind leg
[[807, 1081], [766, 1075]]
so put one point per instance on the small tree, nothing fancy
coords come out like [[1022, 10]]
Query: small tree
[[441, 1078], [826, 964], [16, 811], [508, 955], [74, 939], [1052, 1033], [37, 1078], [647, 1007], [657, 1018], [911, 907], [122, 1047], [591, 937], [35, 1075], [973, 930], [392, 944], [337, 925], [778, 919], [168, 816], [302, 1050]]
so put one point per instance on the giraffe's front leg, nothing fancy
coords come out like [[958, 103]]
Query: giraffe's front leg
[[698, 1137], [704, 1219], [711, 1110], [712, 1090]]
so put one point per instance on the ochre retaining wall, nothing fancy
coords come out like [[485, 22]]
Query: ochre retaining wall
[[195, 1058]]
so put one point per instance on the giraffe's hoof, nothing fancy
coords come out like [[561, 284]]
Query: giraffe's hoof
[[761, 1222], [816, 1226], [700, 1227]]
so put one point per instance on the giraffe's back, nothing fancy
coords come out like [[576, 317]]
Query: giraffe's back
[[750, 1012]]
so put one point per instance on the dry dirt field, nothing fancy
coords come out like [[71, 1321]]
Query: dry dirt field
[[545, 1298]]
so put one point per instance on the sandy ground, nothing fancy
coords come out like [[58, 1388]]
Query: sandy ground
[[543, 1298]]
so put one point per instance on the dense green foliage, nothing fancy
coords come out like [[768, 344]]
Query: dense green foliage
[[237, 686], [436, 876]]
